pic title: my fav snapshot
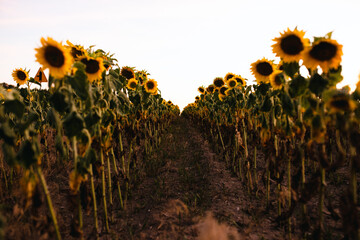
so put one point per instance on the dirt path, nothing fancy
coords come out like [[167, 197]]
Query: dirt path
[[185, 182]]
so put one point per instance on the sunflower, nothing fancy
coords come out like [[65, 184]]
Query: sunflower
[[228, 76], [218, 82], [127, 72], [76, 51], [20, 76], [262, 69], [54, 56], [222, 90], [201, 90], [240, 80], [277, 79], [231, 83], [142, 77], [290, 45], [169, 102], [132, 84], [340, 103], [93, 67], [197, 98], [325, 53], [210, 89], [150, 86]]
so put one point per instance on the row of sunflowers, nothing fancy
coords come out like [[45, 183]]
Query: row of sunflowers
[[101, 118], [291, 136]]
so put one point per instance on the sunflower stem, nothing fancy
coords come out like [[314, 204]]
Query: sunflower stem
[[94, 199]]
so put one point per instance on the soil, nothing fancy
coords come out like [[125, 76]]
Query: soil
[[185, 192]]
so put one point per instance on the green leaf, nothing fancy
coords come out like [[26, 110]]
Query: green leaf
[[298, 86], [60, 101], [287, 104], [15, 106], [263, 88], [318, 84], [73, 124], [334, 76], [80, 84], [7, 134], [266, 106], [28, 153], [291, 68]]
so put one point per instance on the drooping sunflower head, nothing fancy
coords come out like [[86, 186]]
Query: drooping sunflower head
[[325, 53], [93, 67], [290, 45], [54, 56], [20, 76], [218, 82], [262, 69], [201, 90], [127, 72], [240, 80], [210, 89], [150, 86], [340, 103], [132, 84], [231, 83], [228, 76], [277, 79], [77, 51]]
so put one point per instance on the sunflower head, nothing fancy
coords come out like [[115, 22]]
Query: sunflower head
[[240, 80], [77, 51], [290, 45], [222, 90], [325, 53], [127, 72], [201, 90], [132, 84], [210, 89], [340, 103], [93, 67], [197, 98], [20, 76], [262, 69], [231, 83], [54, 56], [277, 80], [142, 77], [228, 76], [169, 102], [150, 86], [218, 82]]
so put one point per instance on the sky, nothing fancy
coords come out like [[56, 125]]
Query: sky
[[182, 44]]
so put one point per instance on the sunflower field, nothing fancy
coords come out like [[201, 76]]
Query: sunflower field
[[293, 137], [94, 119], [74, 155]]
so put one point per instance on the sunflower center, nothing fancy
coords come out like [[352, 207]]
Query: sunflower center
[[323, 51], [76, 52], [278, 79], [54, 56], [264, 68], [232, 83], [92, 66], [21, 75], [239, 80], [150, 85], [222, 90], [127, 74], [133, 85], [291, 45], [218, 82]]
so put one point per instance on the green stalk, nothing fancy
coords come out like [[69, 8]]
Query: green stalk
[[109, 179], [94, 198], [222, 142], [321, 201], [49, 202], [118, 182], [74, 142], [245, 140], [121, 150], [255, 172], [104, 189]]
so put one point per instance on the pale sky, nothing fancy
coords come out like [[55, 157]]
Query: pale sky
[[182, 44]]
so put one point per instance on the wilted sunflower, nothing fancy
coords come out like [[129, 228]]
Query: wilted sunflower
[[262, 69], [277, 79], [76, 51], [325, 53], [132, 84], [290, 45], [210, 88], [231, 83], [54, 56], [20, 76], [150, 86], [240, 80], [201, 90], [228, 76], [340, 103], [127, 72], [93, 67], [218, 82]]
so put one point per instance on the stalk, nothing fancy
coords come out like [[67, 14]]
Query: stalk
[[104, 189], [94, 199], [49, 202], [109, 179], [74, 142], [121, 150], [221, 139], [118, 182], [255, 172], [289, 194], [321, 201]]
